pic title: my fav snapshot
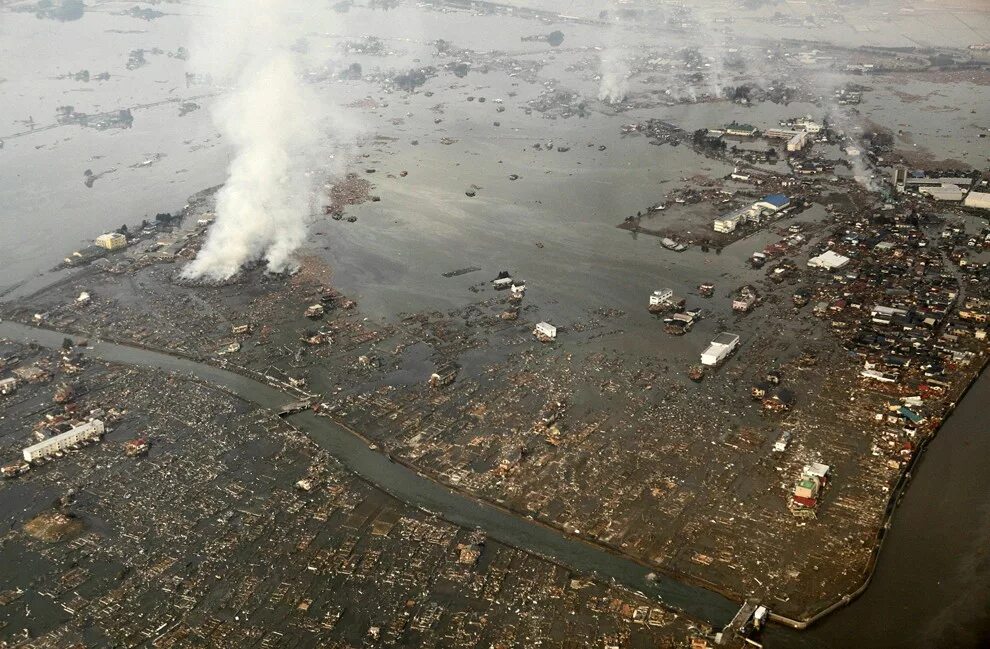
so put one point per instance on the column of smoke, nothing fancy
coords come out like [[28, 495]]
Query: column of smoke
[[273, 122], [614, 84], [614, 67], [848, 122]]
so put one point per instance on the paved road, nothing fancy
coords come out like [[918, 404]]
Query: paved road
[[417, 490]]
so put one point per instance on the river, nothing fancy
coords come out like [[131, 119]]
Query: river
[[932, 583], [415, 490]]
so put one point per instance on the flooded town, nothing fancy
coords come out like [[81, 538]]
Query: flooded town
[[471, 324]]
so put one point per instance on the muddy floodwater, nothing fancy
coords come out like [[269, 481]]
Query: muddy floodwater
[[542, 213]]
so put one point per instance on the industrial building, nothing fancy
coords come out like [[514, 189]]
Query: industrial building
[[88, 432], [943, 192], [740, 130], [751, 214], [719, 349], [112, 241], [979, 200], [829, 260], [939, 188]]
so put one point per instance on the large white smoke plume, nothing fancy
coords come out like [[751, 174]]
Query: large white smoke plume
[[275, 124]]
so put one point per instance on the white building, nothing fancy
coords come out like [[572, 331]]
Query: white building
[[545, 331], [723, 345], [977, 199], [797, 141], [808, 125], [829, 260], [661, 297], [944, 192], [727, 224], [87, 432], [8, 385], [112, 241]]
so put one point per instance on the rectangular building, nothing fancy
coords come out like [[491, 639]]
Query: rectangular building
[[979, 200], [829, 260], [112, 241], [87, 432], [545, 331], [719, 349], [8, 385]]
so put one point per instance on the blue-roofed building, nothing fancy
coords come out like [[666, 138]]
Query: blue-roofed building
[[774, 202], [910, 415]]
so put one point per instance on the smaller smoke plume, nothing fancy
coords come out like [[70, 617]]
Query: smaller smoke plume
[[844, 121], [614, 84]]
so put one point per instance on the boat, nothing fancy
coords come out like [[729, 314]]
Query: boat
[[706, 289], [670, 244], [696, 373]]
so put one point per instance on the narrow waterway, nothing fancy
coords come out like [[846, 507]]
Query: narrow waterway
[[408, 486], [932, 584]]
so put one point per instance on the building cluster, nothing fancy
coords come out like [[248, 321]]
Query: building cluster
[[771, 206], [970, 191], [192, 546]]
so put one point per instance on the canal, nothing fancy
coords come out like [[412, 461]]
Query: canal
[[932, 583], [416, 490]]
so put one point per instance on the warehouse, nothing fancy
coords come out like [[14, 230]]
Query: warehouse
[[980, 200], [829, 260], [943, 192], [772, 203], [87, 432]]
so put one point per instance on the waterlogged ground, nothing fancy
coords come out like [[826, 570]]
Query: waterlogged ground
[[555, 219]]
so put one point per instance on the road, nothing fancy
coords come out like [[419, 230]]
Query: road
[[414, 489]]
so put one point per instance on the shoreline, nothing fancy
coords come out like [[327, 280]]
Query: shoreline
[[896, 494]]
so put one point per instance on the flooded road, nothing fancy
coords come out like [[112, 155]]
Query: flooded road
[[413, 489]]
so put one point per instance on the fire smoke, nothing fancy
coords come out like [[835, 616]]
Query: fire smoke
[[613, 66], [275, 124], [614, 85]]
